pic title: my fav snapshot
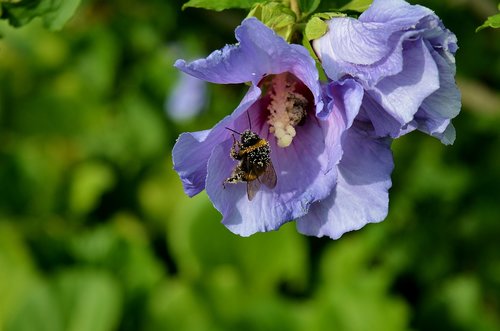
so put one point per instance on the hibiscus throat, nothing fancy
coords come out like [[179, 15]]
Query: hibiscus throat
[[287, 109]]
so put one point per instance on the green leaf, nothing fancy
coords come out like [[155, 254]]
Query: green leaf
[[308, 6], [329, 15], [55, 13], [91, 300], [491, 22], [55, 20], [276, 16], [315, 28], [307, 44], [90, 181], [357, 5], [178, 306], [17, 272], [37, 311], [219, 5]]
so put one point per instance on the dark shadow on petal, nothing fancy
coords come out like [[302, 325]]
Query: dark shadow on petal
[[383, 123]]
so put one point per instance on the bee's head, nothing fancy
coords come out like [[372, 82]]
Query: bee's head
[[249, 138]]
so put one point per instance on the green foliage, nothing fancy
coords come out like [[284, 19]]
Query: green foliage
[[96, 233], [54, 13], [357, 5], [491, 22], [221, 4], [315, 28], [275, 15], [308, 6]]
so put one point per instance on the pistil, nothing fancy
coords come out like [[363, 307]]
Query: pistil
[[286, 110]]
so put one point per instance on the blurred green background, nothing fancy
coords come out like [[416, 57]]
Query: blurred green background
[[96, 233]]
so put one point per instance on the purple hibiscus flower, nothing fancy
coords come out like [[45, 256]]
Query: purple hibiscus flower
[[403, 57], [331, 176], [282, 106]]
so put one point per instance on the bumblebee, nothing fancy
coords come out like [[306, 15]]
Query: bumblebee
[[255, 166]]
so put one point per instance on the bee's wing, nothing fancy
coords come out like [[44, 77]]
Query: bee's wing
[[252, 188], [268, 177]]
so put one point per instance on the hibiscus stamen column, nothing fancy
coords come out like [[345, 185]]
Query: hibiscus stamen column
[[286, 109]]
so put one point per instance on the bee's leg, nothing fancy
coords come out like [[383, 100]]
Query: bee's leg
[[228, 180], [236, 177], [234, 152]]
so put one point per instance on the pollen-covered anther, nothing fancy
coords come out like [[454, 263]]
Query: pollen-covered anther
[[286, 109]]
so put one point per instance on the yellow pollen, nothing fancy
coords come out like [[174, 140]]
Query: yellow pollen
[[286, 109]]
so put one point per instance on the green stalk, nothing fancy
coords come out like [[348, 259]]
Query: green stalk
[[294, 5]]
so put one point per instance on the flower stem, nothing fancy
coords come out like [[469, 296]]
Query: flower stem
[[294, 5]]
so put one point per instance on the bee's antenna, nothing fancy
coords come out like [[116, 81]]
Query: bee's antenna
[[249, 122], [233, 130]]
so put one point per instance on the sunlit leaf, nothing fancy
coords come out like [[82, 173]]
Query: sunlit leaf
[[38, 311], [357, 5], [17, 272], [276, 16], [90, 181], [91, 300], [315, 28], [221, 4], [177, 306], [492, 22], [55, 20]]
